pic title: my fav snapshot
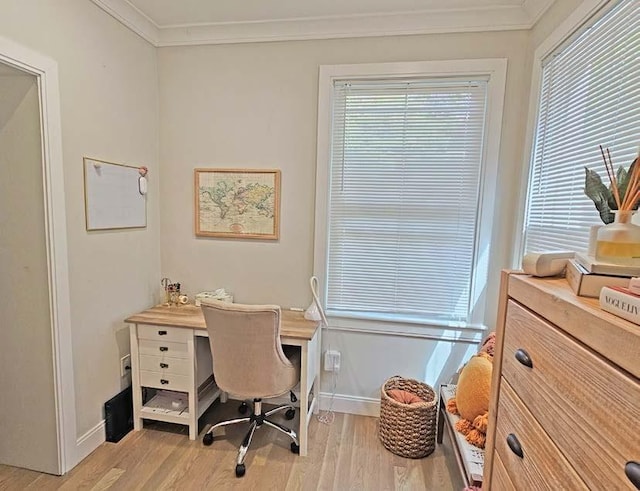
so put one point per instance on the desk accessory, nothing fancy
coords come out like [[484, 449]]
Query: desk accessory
[[621, 302], [545, 263], [585, 284], [172, 295], [592, 265], [219, 294], [315, 312]]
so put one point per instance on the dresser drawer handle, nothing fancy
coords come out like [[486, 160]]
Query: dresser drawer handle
[[164, 381], [632, 470], [164, 348], [514, 445], [164, 365], [523, 357], [162, 333]]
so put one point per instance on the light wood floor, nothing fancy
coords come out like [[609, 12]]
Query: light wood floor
[[345, 455]]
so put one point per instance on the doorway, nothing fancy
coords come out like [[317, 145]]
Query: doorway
[[37, 426]]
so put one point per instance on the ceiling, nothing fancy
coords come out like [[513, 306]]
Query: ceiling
[[185, 22]]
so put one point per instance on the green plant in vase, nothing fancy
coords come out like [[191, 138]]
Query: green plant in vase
[[619, 240]]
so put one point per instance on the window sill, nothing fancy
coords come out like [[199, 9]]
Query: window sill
[[445, 331]]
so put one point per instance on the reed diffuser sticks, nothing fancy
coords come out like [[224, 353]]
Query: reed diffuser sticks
[[632, 192]]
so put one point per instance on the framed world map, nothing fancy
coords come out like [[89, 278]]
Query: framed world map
[[237, 203]]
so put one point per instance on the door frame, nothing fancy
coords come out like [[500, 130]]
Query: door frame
[[45, 70]]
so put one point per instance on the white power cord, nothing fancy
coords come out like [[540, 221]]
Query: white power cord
[[327, 417]]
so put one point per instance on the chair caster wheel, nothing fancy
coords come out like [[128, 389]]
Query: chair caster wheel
[[240, 470], [243, 408], [295, 448], [290, 414], [207, 439]]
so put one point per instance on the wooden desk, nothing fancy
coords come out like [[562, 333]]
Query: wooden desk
[[178, 334]]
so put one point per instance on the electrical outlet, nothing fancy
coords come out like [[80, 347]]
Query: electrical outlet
[[125, 365], [332, 361]]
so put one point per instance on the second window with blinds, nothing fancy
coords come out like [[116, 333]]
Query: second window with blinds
[[406, 177]]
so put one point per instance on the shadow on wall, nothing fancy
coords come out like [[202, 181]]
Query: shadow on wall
[[445, 360]]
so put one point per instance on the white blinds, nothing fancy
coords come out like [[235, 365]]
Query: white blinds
[[405, 174], [590, 96]]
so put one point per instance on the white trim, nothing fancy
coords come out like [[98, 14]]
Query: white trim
[[46, 71], [394, 24], [471, 335], [535, 8], [342, 403], [131, 17], [91, 440], [586, 10], [476, 19], [495, 69]]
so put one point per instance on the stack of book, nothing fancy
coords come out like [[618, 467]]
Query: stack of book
[[621, 302], [587, 277]]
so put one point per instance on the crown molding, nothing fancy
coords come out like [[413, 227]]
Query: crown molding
[[496, 18], [535, 8], [131, 17]]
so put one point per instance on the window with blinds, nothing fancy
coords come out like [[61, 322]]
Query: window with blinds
[[406, 165], [590, 96]]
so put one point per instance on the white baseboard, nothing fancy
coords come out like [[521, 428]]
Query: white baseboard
[[91, 440], [342, 403]]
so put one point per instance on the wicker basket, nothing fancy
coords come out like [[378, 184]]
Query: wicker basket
[[408, 430]]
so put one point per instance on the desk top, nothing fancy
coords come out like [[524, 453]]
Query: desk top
[[292, 324]]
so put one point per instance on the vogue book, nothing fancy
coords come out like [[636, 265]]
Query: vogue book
[[621, 302]]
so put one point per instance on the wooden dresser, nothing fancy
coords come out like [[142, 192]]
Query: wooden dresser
[[565, 395]]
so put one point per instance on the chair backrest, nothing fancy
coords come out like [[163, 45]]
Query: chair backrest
[[248, 360]]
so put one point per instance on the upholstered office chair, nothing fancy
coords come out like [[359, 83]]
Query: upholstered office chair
[[249, 362]]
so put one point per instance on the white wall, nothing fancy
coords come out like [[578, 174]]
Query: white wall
[[255, 105], [109, 110], [26, 371]]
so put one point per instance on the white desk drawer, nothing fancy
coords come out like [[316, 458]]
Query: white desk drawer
[[165, 364], [163, 348], [165, 381], [164, 333]]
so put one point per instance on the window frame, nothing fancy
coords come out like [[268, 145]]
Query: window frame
[[495, 70], [586, 13]]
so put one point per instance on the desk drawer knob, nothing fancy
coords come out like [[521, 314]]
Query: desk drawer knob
[[523, 357], [164, 381], [164, 365], [164, 348], [514, 445], [632, 470], [162, 333]]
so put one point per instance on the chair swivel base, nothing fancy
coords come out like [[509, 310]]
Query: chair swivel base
[[256, 419]]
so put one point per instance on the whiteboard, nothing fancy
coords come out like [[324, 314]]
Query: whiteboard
[[112, 196]]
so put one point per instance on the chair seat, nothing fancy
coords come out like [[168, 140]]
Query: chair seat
[[294, 354]]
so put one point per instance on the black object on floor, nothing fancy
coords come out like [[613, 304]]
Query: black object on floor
[[118, 415]]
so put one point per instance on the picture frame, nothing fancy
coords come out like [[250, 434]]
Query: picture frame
[[237, 203]]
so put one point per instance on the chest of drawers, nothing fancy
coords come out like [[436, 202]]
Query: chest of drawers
[[565, 402], [176, 364]]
